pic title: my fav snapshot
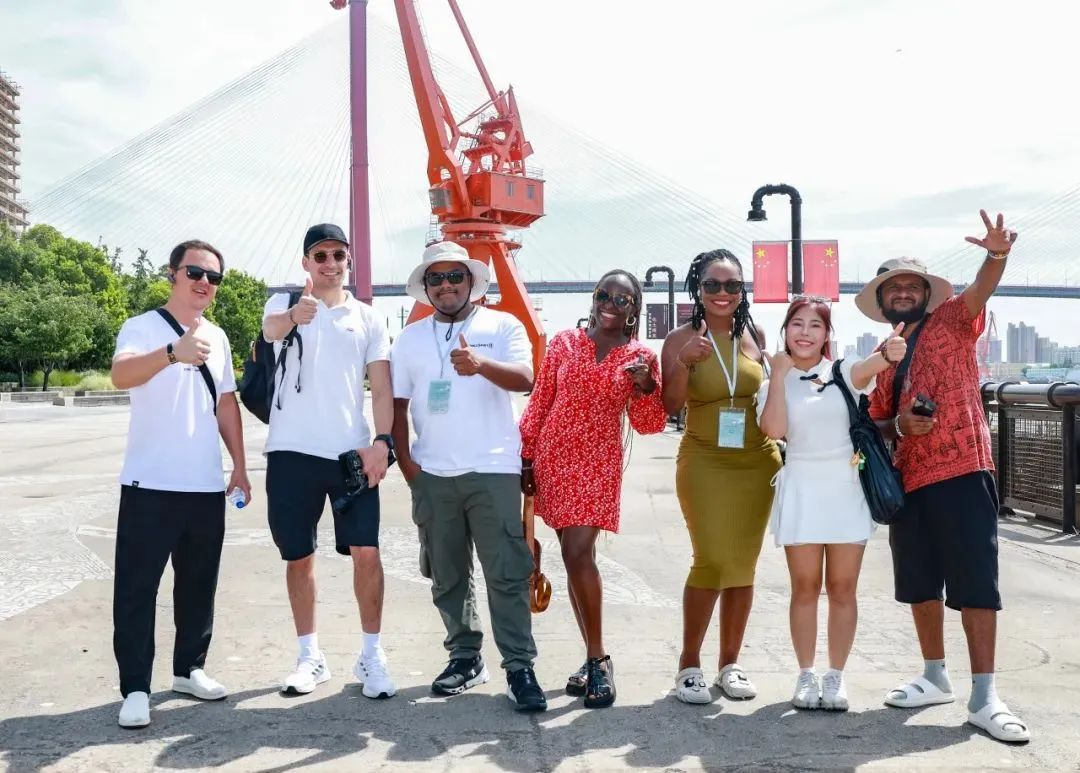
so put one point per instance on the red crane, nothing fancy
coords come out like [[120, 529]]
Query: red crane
[[479, 186]]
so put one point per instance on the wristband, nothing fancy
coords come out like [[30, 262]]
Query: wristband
[[997, 255], [896, 426], [289, 315]]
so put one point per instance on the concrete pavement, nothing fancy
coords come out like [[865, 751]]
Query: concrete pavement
[[58, 496]]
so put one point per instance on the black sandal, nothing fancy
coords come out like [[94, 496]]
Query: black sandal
[[575, 683], [600, 683]]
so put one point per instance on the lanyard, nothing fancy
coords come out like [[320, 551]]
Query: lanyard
[[732, 380], [444, 355]]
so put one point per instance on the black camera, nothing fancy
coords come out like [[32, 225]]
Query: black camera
[[924, 406], [353, 478]]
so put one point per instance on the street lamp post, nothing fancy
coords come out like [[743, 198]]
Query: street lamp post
[[757, 215], [670, 293]]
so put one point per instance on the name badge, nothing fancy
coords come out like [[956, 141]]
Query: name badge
[[438, 397], [732, 433]]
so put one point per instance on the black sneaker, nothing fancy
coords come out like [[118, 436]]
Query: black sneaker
[[459, 675], [523, 690]]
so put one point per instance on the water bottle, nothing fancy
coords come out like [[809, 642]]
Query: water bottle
[[236, 498]]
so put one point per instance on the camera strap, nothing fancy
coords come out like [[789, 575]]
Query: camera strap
[[905, 364], [205, 371]]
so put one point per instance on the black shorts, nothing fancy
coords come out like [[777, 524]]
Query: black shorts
[[297, 489], [947, 536]]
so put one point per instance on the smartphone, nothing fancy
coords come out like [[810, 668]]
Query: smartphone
[[924, 406]]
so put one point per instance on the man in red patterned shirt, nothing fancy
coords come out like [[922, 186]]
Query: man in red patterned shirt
[[946, 536]]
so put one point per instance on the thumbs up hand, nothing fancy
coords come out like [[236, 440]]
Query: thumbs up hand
[[192, 349], [895, 347], [465, 360], [641, 374], [304, 310]]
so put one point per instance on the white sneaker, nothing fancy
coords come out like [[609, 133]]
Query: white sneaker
[[307, 675], [200, 685], [735, 684], [834, 692], [690, 686], [807, 691], [136, 710], [372, 673]]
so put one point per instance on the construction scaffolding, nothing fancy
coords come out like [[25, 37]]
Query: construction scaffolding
[[11, 211]]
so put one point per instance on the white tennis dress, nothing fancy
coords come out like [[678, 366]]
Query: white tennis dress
[[818, 497]]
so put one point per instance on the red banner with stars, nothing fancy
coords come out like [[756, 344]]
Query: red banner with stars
[[770, 272], [821, 269]]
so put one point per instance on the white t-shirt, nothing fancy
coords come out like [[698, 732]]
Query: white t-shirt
[[326, 417], [173, 434], [478, 432]]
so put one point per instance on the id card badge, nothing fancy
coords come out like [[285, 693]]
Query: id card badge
[[732, 432], [438, 397]]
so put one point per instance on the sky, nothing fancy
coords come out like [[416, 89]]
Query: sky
[[896, 121]]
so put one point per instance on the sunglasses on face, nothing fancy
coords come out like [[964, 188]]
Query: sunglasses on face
[[620, 300], [196, 273], [321, 256], [436, 278], [729, 286]]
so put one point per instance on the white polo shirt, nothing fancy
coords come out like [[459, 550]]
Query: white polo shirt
[[326, 417], [479, 430], [173, 442]]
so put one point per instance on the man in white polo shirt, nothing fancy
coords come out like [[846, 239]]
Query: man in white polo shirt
[[317, 415], [172, 496], [454, 373]]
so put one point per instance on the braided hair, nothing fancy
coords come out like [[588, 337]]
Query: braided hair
[[636, 312], [698, 266]]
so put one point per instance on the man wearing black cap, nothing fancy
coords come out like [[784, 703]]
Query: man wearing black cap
[[317, 415]]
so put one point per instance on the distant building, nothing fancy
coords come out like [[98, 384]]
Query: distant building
[[993, 353], [999, 371], [851, 352], [11, 211], [1022, 343], [865, 345], [1067, 356]]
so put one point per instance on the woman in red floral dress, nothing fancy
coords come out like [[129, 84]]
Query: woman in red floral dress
[[572, 450]]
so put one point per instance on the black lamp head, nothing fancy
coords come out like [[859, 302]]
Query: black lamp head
[[756, 214]]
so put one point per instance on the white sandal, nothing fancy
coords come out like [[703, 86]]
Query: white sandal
[[919, 692], [735, 684], [1001, 724]]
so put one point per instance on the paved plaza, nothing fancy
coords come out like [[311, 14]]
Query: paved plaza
[[58, 498]]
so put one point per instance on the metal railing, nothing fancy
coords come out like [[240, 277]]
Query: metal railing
[[1034, 433]]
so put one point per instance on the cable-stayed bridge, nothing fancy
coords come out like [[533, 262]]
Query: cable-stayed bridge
[[250, 166]]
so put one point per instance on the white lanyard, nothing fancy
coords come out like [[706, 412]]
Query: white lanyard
[[732, 380], [444, 355]]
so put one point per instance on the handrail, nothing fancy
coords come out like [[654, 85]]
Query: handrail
[[1056, 395]]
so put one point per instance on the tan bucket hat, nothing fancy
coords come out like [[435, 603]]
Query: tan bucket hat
[[443, 252], [941, 289]]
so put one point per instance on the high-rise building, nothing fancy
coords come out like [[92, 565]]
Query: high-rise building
[[850, 352], [11, 211], [1023, 343], [993, 352], [865, 345]]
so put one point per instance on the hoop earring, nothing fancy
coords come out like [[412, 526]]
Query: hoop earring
[[631, 321]]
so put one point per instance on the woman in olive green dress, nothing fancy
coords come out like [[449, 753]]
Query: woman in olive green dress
[[712, 365]]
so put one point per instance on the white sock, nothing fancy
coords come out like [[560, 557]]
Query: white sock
[[810, 670], [309, 647], [371, 644]]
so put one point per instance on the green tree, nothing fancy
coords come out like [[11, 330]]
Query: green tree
[[58, 329], [238, 309], [14, 310]]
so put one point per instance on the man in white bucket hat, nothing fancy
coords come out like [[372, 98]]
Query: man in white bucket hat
[[946, 536], [454, 374]]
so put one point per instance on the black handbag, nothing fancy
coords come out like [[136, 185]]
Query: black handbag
[[881, 481], [256, 386]]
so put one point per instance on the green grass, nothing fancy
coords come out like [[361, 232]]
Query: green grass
[[97, 380]]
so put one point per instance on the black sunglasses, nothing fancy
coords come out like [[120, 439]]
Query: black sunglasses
[[729, 286], [196, 273], [321, 256], [621, 300], [436, 278]]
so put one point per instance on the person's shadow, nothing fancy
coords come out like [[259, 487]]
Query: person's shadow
[[415, 727]]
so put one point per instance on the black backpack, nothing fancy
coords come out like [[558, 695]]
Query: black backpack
[[256, 387]]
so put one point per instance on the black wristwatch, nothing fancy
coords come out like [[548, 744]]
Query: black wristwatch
[[386, 439], [169, 354]]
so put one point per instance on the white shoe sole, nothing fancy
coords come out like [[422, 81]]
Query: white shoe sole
[[196, 693], [482, 678], [135, 724], [837, 705], [290, 689], [694, 699], [807, 705]]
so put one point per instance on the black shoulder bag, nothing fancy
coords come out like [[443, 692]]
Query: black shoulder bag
[[881, 481], [205, 371], [256, 386]]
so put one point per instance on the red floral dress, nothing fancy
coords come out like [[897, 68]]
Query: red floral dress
[[572, 428]]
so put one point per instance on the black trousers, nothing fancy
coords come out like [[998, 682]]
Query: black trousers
[[152, 527]]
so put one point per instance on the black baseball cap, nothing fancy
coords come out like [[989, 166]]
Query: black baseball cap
[[323, 232]]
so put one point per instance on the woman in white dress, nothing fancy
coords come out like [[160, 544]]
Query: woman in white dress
[[819, 513]]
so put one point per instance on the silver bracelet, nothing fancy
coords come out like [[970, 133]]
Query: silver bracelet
[[896, 426], [996, 255]]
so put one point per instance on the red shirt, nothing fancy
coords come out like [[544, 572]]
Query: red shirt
[[944, 369]]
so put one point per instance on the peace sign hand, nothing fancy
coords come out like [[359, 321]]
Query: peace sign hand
[[998, 240]]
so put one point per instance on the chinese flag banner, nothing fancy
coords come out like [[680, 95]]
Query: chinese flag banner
[[821, 269], [770, 272]]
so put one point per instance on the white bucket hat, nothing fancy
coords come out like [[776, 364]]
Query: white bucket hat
[[444, 252], [941, 289]]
